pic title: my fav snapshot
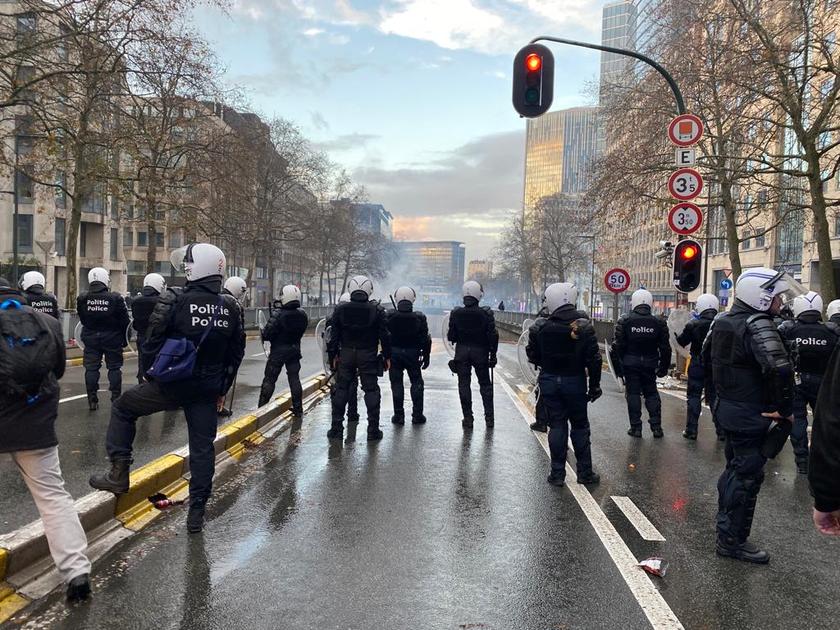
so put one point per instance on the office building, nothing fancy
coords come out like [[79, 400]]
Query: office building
[[434, 268]]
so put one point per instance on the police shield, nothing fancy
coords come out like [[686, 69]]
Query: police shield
[[619, 381], [322, 338], [77, 335], [450, 349], [129, 331], [528, 369], [261, 323], [676, 323], [526, 325]]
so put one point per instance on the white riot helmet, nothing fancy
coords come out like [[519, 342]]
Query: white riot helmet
[[289, 294], [345, 297], [757, 287], [811, 301], [833, 309], [32, 279], [641, 297], [199, 260], [98, 274], [155, 281], [560, 294], [707, 302], [360, 283], [237, 287], [473, 289], [405, 293]]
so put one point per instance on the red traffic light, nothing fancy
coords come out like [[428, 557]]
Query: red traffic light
[[533, 62], [688, 252]]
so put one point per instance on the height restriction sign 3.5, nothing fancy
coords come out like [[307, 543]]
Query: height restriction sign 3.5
[[685, 130], [685, 184], [617, 280], [685, 218]]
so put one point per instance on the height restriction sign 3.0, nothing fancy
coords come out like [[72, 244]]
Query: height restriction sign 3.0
[[685, 218], [685, 130], [685, 184], [617, 280]]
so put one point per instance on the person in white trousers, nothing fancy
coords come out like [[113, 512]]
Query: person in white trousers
[[35, 358]]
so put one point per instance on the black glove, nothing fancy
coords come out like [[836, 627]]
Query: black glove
[[661, 372], [426, 360], [493, 360], [595, 392]]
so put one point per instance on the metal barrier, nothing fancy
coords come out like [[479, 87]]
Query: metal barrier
[[512, 322]]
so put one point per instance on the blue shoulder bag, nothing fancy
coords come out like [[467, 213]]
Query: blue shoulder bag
[[177, 357]]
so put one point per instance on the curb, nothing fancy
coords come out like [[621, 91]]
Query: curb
[[27, 572]]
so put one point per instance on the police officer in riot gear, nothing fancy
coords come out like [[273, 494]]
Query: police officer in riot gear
[[353, 393], [811, 343], [472, 328], [642, 349], [411, 347], [154, 286], [237, 288], [565, 349], [105, 320], [32, 284], [358, 331], [211, 322], [694, 334], [832, 314], [540, 422], [753, 376], [284, 331]]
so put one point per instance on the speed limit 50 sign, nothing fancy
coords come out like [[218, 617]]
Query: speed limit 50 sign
[[685, 218], [685, 184], [617, 280]]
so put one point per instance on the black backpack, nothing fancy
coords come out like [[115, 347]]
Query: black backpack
[[27, 352]]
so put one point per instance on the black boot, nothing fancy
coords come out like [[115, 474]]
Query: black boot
[[398, 418], [802, 466], [489, 421], [421, 419], [78, 589], [195, 518], [689, 434], [589, 479], [657, 432], [93, 402], [539, 426], [557, 479], [745, 552], [114, 396], [467, 423], [336, 431], [635, 432], [116, 480], [374, 433]]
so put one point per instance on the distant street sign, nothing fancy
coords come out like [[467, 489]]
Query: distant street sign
[[685, 184], [685, 157], [617, 280], [685, 130], [726, 284], [685, 218]]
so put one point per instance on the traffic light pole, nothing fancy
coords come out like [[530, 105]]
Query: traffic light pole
[[627, 53]]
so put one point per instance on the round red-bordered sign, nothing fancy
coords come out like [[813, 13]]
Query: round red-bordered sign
[[617, 280], [685, 218], [685, 184], [685, 130]]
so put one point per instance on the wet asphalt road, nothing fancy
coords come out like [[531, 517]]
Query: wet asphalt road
[[434, 529], [81, 433]]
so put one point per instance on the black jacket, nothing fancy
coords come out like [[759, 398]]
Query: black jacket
[[565, 344], [286, 326], [141, 310], [473, 325], [642, 336], [104, 317], [810, 342], [359, 324], [409, 329], [824, 463], [25, 427], [695, 332], [187, 315], [42, 301]]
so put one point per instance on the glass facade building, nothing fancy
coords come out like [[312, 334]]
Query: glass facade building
[[435, 269]]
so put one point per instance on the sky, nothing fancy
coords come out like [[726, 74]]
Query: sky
[[412, 97]]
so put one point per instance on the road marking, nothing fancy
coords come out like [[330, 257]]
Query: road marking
[[79, 397], [259, 354], [646, 529], [654, 606]]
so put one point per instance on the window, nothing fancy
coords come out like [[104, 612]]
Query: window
[[745, 243], [174, 239], [61, 237], [128, 237], [24, 76], [115, 208], [159, 241], [83, 240], [142, 239], [24, 232], [25, 188], [759, 238], [115, 243], [26, 23], [60, 190]]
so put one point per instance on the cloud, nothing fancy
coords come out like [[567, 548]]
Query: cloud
[[318, 121], [313, 32], [346, 142]]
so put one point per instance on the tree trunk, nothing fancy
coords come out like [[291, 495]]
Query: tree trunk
[[730, 212], [828, 289], [81, 189], [151, 228]]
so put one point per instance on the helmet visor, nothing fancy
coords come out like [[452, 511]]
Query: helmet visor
[[177, 258], [785, 286]]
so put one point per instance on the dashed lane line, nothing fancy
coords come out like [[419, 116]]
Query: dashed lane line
[[71, 398], [654, 606], [646, 529]]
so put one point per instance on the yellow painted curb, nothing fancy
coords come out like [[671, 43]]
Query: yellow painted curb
[[10, 602], [238, 450], [4, 558], [239, 430], [149, 479], [140, 515], [74, 362]]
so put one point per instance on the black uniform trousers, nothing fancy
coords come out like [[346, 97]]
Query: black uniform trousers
[[694, 396], [406, 360], [197, 399], [92, 360], [281, 356], [565, 399], [640, 380], [467, 359], [804, 395], [740, 483], [361, 364]]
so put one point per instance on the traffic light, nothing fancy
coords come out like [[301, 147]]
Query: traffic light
[[533, 80], [688, 258]]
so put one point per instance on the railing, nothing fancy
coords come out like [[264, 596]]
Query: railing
[[512, 322]]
